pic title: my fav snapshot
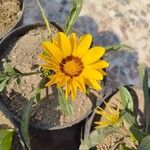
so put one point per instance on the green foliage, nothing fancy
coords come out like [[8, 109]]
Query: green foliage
[[117, 47], [73, 16], [145, 144], [126, 99], [96, 137], [144, 78], [39, 88], [138, 134], [10, 73], [129, 118], [45, 18], [25, 122], [65, 104], [6, 139]]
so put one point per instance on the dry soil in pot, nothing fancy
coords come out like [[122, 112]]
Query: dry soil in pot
[[10, 11], [23, 54]]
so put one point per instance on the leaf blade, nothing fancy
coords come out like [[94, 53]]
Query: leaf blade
[[74, 14], [126, 98], [25, 122], [6, 139]]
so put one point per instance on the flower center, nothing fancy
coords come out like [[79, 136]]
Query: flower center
[[71, 66]]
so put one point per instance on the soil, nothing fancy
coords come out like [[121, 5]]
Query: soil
[[24, 56], [10, 12], [116, 138]]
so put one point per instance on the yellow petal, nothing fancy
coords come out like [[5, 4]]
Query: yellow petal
[[52, 50], [93, 55], [63, 80], [73, 86], [64, 44], [103, 72], [104, 114], [83, 45], [73, 41], [99, 64], [91, 73], [81, 83], [48, 59], [93, 83], [102, 126], [52, 81], [50, 67]]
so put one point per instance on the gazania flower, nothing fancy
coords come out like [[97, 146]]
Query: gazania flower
[[74, 63], [111, 118]]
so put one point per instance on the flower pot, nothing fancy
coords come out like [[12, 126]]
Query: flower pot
[[12, 21], [43, 134]]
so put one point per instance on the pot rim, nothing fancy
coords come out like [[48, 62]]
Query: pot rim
[[19, 20], [4, 42]]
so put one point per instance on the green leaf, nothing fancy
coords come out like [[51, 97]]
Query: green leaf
[[3, 84], [73, 16], [124, 148], [126, 98], [25, 122], [96, 137], [138, 134], [129, 118], [144, 78], [39, 88], [65, 104], [45, 18], [117, 47], [6, 139], [8, 68], [2, 77], [18, 80], [145, 144]]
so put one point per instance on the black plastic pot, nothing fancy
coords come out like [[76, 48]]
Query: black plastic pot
[[65, 137], [19, 21]]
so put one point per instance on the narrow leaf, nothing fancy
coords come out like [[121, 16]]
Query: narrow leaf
[[145, 144], [96, 137], [25, 122], [3, 84], [117, 47], [126, 98], [73, 16], [39, 88], [65, 104], [139, 135], [2, 76], [129, 118], [8, 68], [144, 78], [45, 18], [6, 139]]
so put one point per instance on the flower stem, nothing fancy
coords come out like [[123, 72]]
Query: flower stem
[[30, 73]]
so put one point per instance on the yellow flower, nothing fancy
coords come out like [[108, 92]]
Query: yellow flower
[[111, 118], [74, 63]]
